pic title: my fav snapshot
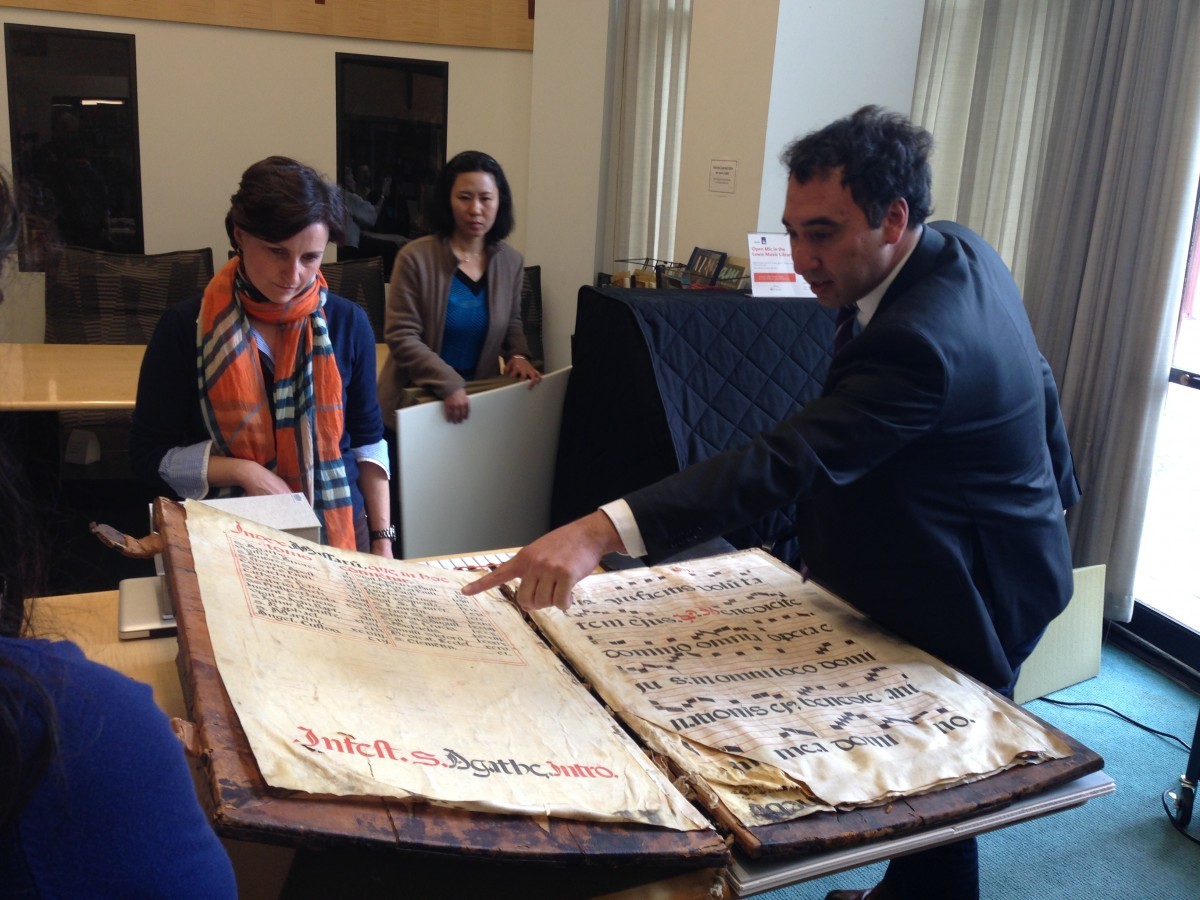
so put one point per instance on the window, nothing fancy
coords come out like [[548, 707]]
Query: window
[[391, 139], [72, 104], [1167, 587]]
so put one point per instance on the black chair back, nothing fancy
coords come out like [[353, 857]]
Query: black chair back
[[360, 280], [531, 314], [96, 297]]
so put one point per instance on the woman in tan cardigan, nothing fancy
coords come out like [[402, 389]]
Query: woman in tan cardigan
[[454, 300]]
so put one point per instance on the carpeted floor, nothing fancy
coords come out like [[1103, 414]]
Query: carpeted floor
[[1121, 846]]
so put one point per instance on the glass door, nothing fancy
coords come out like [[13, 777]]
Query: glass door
[[1167, 585]]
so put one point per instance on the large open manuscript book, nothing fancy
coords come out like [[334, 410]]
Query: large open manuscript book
[[732, 695]]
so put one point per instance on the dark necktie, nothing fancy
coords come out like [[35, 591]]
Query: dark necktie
[[843, 328]]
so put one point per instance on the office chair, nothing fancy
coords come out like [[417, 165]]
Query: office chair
[[531, 315], [97, 297], [362, 281]]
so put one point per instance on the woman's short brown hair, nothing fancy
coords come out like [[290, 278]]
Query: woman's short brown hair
[[279, 197]]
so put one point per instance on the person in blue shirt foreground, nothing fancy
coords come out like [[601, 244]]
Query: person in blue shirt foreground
[[96, 798]]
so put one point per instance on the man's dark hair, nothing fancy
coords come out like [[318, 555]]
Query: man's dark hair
[[882, 156], [279, 197], [440, 215]]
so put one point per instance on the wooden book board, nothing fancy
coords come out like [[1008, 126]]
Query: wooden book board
[[243, 806]]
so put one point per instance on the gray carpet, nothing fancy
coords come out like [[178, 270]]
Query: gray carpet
[[1121, 846]]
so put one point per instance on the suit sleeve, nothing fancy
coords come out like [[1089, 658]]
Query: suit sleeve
[[885, 391]]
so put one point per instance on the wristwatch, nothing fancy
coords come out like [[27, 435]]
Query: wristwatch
[[389, 533]]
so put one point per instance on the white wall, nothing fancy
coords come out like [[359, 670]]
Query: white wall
[[567, 159], [772, 72], [830, 59], [726, 108], [213, 100]]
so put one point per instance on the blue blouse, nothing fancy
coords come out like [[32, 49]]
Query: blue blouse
[[466, 323]]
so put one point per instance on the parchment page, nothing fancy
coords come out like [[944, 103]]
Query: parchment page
[[780, 696], [357, 675]]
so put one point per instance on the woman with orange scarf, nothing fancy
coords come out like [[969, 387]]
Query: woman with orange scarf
[[266, 383]]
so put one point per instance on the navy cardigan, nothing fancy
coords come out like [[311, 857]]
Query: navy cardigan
[[168, 415]]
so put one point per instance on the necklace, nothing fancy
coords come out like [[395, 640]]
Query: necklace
[[462, 255]]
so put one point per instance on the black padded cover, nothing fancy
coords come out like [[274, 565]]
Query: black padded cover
[[665, 378]]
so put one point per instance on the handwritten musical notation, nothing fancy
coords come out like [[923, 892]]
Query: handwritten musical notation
[[729, 659]]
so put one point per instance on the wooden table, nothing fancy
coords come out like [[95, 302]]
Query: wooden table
[[90, 620], [55, 377]]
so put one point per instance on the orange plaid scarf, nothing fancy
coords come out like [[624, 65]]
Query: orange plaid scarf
[[294, 426]]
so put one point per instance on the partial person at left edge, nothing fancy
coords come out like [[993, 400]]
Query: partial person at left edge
[[96, 798], [265, 384]]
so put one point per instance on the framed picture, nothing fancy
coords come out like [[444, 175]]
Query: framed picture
[[731, 275], [705, 265]]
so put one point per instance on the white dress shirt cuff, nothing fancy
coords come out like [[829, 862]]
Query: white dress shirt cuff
[[621, 516], [185, 469]]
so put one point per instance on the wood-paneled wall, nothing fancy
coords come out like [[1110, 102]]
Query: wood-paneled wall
[[497, 24]]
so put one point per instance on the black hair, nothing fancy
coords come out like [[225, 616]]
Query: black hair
[[279, 197], [882, 156], [24, 704], [440, 215], [25, 707]]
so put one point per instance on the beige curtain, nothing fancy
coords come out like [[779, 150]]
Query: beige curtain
[[645, 128], [1068, 134]]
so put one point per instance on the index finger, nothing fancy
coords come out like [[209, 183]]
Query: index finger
[[495, 578]]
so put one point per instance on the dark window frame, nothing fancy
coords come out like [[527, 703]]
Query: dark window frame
[[40, 234], [402, 212]]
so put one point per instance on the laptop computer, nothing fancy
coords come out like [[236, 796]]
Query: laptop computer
[[144, 609]]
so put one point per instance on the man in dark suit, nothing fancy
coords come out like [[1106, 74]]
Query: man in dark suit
[[934, 466]]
